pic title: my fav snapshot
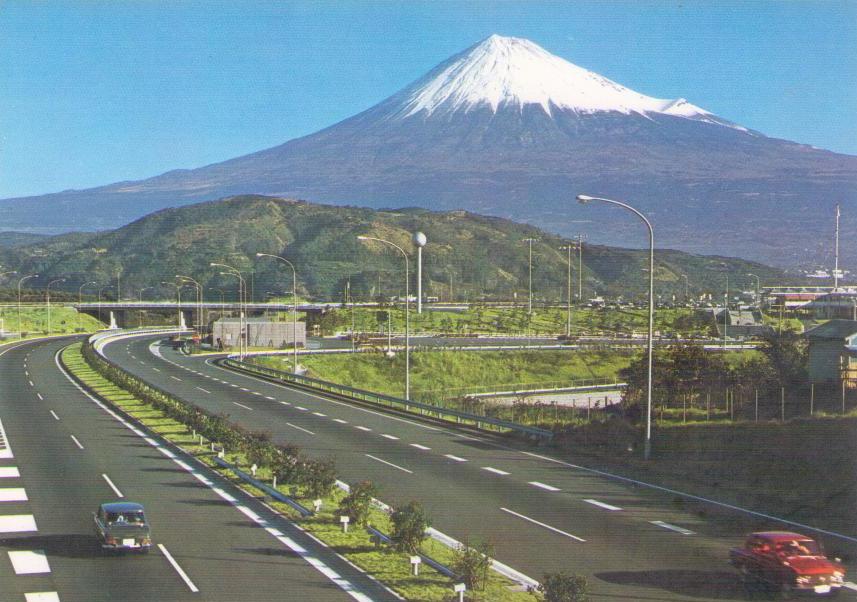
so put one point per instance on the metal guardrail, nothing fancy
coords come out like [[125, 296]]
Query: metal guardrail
[[390, 401]]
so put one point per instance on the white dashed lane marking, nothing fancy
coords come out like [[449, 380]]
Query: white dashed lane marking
[[389, 464], [42, 597], [179, 570], [603, 505], [340, 421], [319, 414], [203, 390], [13, 494], [39, 395], [76, 442], [300, 428], [54, 414], [363, 428], [662, 524], [29, 562], [544, 486], [495, 470], [241, 405], [422, 447], [112, 486], [456, 458], [17, 523], [541, 524], [391, 437], [9, 472]]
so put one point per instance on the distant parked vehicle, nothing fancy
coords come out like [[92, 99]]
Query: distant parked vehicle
[[122, 526], [786, 562]]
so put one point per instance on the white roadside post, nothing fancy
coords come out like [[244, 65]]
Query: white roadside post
[[317, 505], [415, 562], [344, 520], [459, 588]]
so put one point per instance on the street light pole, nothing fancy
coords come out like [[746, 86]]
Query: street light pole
[[530, 242], [294, 305], [407, 314], [568, 292], [242, 304], [583, 199], [48, 300], [199, 320], [758, 286], [179, 300], [21, 281]]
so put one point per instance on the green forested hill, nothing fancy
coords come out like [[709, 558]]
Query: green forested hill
[[480, 255]]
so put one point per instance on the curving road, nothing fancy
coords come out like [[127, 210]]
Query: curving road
[[541, 515], [61, 454]]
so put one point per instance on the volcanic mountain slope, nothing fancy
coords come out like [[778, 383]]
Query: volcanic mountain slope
[[507, 129]]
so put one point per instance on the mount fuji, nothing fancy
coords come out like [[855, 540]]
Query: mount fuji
[[505, 128]]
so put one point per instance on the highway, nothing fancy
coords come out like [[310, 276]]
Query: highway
[[61, 454], [540, 514]]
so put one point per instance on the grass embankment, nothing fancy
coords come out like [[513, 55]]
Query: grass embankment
[[802, 470], [391, 568], [516, 320], [34, 320], [443, 378]]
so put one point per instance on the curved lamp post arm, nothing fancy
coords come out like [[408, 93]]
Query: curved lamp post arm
[[584, 199], [294, 305], [407, 311]]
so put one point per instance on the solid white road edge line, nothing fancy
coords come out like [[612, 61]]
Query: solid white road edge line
[[178, 569], [389, 463], [317, 564], [535, 522], [112, 486]]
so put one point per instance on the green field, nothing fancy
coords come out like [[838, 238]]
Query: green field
[[516, 320], [34, 320]]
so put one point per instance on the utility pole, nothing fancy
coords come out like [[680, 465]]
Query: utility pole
[[580, 268], [530, 242], [568, 292], [836, 254]]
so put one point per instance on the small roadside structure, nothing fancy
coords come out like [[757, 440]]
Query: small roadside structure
[[836, 304], [741, 323], [258, 332], [833, 353]]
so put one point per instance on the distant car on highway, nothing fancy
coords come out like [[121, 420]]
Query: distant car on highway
[[787, 562], [122, 526]]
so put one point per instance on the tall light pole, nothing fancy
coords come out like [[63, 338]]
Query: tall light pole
[[583, 199], [580, 268], [407, 313], [758, 286], [530, 242], [241, 303], [20, 282], [420, 241], [568, 292], [198, 286], [725, 310], [48, 300], [80, 302], [294, 305], [178, 299]]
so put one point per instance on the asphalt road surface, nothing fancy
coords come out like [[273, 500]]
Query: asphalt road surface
[[61, 455], [541, 514]]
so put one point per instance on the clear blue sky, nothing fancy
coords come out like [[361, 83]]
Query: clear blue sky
[[96, 92]]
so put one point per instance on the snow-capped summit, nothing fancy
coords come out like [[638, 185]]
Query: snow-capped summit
[[502, 71]]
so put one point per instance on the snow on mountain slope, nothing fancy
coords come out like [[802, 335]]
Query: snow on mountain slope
[[502, 71]]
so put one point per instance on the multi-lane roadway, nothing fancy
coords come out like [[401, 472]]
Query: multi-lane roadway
[[62, 453], [540, 513]]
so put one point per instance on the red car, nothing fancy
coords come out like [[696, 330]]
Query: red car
[[787, 562]]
